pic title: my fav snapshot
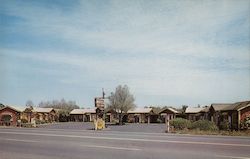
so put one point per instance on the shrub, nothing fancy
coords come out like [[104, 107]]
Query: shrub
[[131, 120], [27, 125], [24, 121], [224, 125], [204, 125], [38, 121], [180, 123], [245, 124], [159, 121], [115, 121]]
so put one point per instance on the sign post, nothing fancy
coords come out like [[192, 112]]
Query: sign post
[[99, 122], [33, 122]]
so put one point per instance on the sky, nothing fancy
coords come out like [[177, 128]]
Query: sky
[[169, 53]]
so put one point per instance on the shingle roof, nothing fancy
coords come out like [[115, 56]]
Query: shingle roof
[[221, 106], [240, 105], [170, 109], [140, 110], [237, 106], [226, 107], [77, 111], [42, 110], [193, 110], [83, 111], [21, 109], [205, 109], [16, 109]]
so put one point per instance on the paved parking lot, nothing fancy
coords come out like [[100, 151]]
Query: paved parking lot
[[129, 127]]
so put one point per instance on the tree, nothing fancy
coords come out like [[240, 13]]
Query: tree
[[184, 107], [62, 104], [121, 101], [183, 110], [29, 103], [64, 107], [1, 105]]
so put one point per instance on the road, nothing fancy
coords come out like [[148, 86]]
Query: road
[[43, 143]]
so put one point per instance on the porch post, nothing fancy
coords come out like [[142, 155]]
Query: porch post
[[110, 117], [167, 122], [148, 118], [90, 117], [230, 120], [239, 117]]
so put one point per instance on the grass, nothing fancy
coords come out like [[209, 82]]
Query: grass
[[219, 132]]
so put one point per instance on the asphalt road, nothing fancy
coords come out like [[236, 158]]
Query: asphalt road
[[43, 143]]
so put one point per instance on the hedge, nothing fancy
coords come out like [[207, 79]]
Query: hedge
[[204, 125], [181, 124]]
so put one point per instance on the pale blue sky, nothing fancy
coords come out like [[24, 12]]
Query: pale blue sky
[[167, 52]]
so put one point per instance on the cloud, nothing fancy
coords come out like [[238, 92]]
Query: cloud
[[185, 29], [158, 48], [154, 76]]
